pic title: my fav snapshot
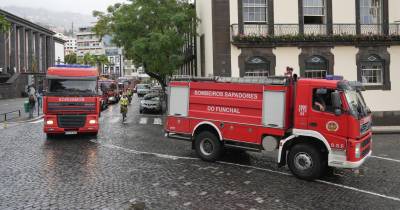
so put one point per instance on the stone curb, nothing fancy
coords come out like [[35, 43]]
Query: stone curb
[[386, 130]]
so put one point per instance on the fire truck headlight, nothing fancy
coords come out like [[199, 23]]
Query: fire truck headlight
[[49, 122], [358, 151], [92, 122]]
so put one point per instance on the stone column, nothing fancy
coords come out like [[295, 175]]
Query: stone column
[[22, 54], [37, 51], [43, 57], [3, 52], [49, 52], [13, 48], [30, 51], [53, 51]]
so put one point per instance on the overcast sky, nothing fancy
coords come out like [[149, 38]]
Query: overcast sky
[[80, 6]]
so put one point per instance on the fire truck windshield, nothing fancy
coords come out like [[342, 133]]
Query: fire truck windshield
[[66, 87], [357, 105]]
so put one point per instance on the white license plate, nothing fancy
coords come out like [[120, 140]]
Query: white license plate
[[71, 132]]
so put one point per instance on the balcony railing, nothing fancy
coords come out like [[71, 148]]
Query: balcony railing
[[371, 29], [294, 29], [394, 29]]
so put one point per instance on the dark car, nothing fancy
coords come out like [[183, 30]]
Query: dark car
[[151, 102]]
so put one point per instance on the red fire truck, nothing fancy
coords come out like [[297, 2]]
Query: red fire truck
[[71, 104], [110, 90], [311, 124]]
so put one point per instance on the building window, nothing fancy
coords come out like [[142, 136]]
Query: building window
[[314, 11], [257, 67], [371, 11], [255, 11], [372, 70], [316, 67]]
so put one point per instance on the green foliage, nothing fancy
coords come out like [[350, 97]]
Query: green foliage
[[71, 58], [4, 24], [93, 60], [151, 32]]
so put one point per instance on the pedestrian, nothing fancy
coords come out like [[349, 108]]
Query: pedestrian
[[32, 102], [39, 96]]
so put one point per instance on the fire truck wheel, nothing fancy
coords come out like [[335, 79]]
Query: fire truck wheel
[[306, 162], [208, 147]]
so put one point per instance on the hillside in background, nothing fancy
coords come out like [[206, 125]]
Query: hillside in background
[[56, 21]]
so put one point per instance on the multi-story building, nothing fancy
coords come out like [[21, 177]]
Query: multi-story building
[[70, 45], [358, 39], [26, 51], [88, 42], [129, 67], [115, 66]]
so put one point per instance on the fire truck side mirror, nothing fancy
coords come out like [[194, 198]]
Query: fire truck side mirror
[[337, 103]]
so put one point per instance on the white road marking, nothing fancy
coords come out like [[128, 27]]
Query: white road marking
[[249, 167], [385, 158], [143, 120], [157, 121], [359, 190]]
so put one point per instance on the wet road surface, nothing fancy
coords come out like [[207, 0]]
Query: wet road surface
[[131, 163]]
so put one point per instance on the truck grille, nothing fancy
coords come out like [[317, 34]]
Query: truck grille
[[366, 142], [71, 106], [365, 127], [71, 121], [366, 151]]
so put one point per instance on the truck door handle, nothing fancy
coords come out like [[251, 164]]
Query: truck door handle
[[313, 124]]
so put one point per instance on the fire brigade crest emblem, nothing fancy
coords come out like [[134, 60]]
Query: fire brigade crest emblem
[[332, 126]]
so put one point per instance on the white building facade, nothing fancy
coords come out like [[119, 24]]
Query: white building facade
[[115, 67], [88, 42], [358, 39], [59, 50], [70, 45]]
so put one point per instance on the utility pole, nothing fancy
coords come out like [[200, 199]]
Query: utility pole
[[72, 28]]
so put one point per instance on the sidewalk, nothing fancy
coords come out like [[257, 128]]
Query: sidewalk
[[386, 129], [15, 105]]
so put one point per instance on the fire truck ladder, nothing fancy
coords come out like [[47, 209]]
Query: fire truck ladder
[[250, 80]]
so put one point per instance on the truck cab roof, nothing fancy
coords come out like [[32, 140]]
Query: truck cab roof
[[72, 71]]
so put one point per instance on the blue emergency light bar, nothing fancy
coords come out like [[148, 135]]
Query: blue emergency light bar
[[334, 77], [73, 66]]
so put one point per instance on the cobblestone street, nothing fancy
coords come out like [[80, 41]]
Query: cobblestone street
[[132, 163]]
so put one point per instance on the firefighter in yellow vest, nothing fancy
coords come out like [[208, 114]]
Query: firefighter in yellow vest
[[124, 102]]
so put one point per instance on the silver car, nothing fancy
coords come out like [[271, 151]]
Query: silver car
[[142, 89], [151, 102]]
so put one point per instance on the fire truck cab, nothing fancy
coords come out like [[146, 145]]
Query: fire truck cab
[[312, 124], [71, 104]]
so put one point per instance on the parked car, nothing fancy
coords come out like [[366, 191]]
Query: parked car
[[142, 89], [151, 102], [156, 88]]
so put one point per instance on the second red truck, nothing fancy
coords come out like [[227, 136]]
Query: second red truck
[[313, 124]]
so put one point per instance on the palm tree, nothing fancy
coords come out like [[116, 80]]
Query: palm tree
[[101, 60]]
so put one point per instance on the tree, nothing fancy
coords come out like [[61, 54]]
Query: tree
[[4, 24], [151, 32], [87, 59], [71, 58], [94, 60], [101, 60]]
